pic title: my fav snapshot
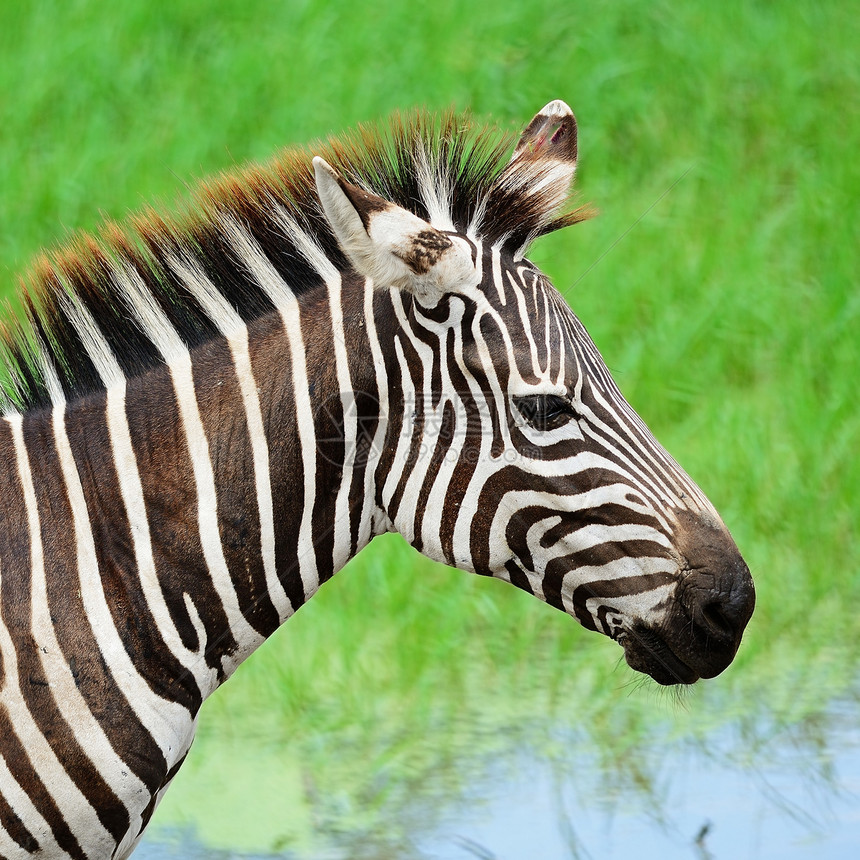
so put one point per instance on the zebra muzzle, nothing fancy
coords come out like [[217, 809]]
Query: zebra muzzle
[[702, 629]]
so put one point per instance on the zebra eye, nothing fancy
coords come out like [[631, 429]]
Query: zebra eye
[[545, 411]]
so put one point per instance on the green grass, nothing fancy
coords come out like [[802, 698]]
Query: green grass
[[730, 315]]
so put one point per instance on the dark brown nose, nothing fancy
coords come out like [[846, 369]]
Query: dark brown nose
[[704, 622], [720, 602], [716, 593]]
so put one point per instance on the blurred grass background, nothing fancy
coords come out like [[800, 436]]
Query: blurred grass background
[[719, 142]]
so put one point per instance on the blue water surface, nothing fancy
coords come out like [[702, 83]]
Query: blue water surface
[[775, 792]]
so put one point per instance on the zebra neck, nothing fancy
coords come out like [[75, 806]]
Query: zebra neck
[[268, 496], [187, 512]]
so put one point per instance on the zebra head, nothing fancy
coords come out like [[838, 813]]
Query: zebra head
[[509, 451]]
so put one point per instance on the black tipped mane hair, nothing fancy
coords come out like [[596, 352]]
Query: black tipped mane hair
[[469, 161]]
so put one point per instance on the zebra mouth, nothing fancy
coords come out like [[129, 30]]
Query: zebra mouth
[[647, 652]]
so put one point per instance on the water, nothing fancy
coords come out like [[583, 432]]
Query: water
[[751, 789], [705, 804]]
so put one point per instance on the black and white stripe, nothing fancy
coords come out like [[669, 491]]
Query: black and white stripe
[[204, 419]]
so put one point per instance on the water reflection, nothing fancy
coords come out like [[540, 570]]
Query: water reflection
[[755, 788], [789, 798]]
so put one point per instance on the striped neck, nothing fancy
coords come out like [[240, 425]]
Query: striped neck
[[214, 494]]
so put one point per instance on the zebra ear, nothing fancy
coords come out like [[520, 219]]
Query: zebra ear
[[544, 159], [550, 136], [387, 243]]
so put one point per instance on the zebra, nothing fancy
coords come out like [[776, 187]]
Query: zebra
[[206, 415]]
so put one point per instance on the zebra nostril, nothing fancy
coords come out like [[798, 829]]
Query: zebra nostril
[[716, 619], [720, 605]]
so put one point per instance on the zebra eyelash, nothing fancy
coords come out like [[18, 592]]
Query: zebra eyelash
[[545, 411]]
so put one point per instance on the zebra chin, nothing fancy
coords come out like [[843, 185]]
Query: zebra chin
[[680, 654], [648, 652]]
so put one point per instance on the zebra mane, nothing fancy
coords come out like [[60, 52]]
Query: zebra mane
[[444, 168]]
